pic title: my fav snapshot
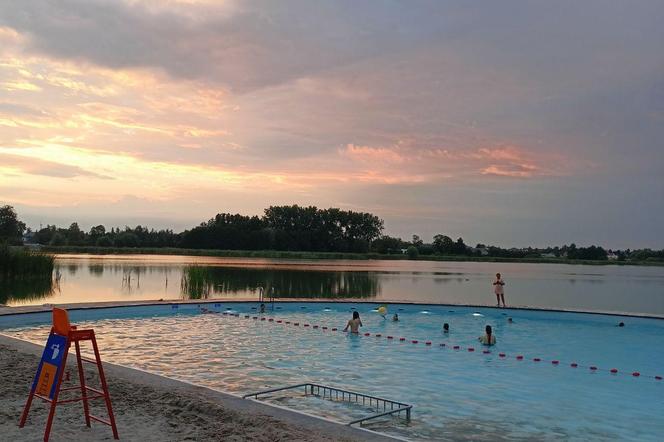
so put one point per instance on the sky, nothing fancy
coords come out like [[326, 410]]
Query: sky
[[511, 123]]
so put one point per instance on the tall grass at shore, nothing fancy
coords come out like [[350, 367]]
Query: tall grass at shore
[[24, 274], [24, 264]]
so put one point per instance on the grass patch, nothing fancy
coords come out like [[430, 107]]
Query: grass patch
[[283, 254]]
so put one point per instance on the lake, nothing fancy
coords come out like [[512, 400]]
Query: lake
[[92, 278]]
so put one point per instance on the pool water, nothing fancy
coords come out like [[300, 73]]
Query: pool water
[[456, 394]]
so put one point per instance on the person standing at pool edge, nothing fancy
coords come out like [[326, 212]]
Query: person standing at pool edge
[[354, 323], [498, 290]]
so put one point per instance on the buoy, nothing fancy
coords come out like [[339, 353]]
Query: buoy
[[593, 368], [573, 365], [614, 371], [402, 339], [471, 349], [262, 319], [378, 335], [636, 374], [287, 322], [367, 334], [246, 316], [324, 328], [536, 359], [334, 329], [519, 357], [456, 347], [502, 355], [306, 325], [390, 337], [428, 343], [315, 326], [442, 344], [414, 341], [659, 378], [255, 317], [296, 323], [554, 362], [279, 321], [486, 352]]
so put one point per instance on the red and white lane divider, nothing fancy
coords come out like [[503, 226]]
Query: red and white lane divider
[[518, 357]]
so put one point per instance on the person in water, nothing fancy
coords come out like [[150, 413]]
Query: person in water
[[395, 318], [498, 290], [488, 338], [262, 310], [446, 328], [622, 324], [354, 323]]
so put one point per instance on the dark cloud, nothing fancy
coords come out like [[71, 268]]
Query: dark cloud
[[35, 166], [8, 108]]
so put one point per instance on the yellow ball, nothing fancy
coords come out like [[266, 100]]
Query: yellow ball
[[382, 310]]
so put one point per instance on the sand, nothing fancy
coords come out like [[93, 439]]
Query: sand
[[150, 408]]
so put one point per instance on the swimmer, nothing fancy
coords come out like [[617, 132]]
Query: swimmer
[[622, 324], [498, 290], [510, 320], [395, 318], [446, 328], [488, 338], [262, 308], [354, 323]]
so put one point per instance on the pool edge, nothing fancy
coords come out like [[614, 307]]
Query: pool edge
[[27, 309]]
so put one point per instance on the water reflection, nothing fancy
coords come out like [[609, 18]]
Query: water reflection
[[199, 282], [25, 290], [86, 278]]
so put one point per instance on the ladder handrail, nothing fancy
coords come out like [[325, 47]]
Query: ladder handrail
[[309, 386]]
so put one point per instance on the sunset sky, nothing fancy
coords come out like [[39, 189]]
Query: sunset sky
[[504, 122]]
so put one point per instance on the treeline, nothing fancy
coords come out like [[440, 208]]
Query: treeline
[[296, 228], [280, 228]]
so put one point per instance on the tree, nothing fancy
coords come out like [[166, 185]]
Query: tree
[[443, 244], [412, 252], [11, 229]]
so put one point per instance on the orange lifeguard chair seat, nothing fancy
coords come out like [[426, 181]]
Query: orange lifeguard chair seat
[[61, 325]]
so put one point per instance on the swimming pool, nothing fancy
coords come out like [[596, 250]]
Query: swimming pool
[[456, 393]]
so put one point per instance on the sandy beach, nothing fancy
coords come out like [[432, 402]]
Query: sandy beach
[[149, 407]]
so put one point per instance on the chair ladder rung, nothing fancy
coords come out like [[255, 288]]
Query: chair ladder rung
[[95, 390], [87, 398], [99, 419]]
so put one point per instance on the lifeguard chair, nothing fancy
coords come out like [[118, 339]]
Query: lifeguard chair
[[48, 380]]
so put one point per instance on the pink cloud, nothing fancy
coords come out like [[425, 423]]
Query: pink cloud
[[408, 163]]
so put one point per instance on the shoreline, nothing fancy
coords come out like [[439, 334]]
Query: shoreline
[[41, 308], [148, 406], [295, 255]]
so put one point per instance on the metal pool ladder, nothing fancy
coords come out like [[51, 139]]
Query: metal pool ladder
[[388, 406]]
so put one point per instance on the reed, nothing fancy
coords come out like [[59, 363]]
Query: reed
[[21, 264]]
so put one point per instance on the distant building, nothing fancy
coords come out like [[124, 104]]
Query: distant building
[[29, 237], [612, 256], [549, 255]]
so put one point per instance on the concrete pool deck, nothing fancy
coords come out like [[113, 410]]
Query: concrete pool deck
[[153, 407], [24, 309]]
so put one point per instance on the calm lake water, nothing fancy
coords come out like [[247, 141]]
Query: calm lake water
[[88, 278]]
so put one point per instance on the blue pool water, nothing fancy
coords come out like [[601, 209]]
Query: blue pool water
[[456, 394]]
